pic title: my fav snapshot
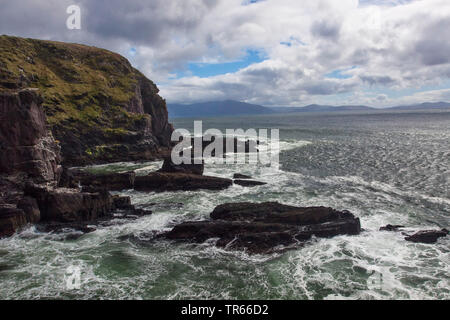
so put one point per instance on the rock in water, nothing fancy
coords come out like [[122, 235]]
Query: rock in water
[[241, 176], [98, 182], [427, 236], [249, 183], [192, 167], [390, 227], [160, 182], [265, 227]]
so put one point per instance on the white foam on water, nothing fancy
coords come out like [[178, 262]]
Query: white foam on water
[[323, 269]]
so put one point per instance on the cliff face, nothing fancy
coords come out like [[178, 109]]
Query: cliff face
[[98, 106], [26, 146], [30, 171], [28, 154]]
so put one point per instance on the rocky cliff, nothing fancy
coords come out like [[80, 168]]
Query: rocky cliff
[[98, 107], [27, 147], [30, 171]]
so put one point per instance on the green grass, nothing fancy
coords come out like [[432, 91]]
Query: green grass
[[85, 89]]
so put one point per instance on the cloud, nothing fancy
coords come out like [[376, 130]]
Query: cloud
[[383, 45]]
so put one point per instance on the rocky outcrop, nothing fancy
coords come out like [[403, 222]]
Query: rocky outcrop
[[391, 227], [97, 105], [70, 205], [265, 227], [11, 219], [192, 167], [241, 176], [26, 146], [229, 145], [30, 172], [427, 236], [88, 181], [28, 152], [424, 236], [160, 182], [249, 183]]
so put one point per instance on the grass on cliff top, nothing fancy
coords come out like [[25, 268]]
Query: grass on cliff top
[[78, 83]]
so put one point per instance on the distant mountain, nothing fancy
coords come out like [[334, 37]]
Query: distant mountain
[[320, 108], [215, 109], [232, 108], [424, 106]]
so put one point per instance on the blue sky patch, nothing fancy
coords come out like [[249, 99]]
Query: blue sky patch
[[340, 73], [205, 70]]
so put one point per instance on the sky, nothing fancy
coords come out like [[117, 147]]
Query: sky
[[270, 52]]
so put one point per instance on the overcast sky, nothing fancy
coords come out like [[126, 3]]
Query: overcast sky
[[272, 52]]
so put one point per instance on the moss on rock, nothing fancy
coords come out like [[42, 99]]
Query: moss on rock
[[93, 98]]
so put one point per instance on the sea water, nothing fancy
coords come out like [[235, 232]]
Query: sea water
[[386, 168]]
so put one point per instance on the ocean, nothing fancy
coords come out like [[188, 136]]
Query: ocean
[[384, 167]]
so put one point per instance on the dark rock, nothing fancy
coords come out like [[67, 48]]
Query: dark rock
[[265, 227], [11, 220], [92, 182], [122, 202], [249, 183], [192, 167], [241, 176], [26, 144], [70, 205], [427, 236], [53, 227], [229, 145], [122, 118], [31, 209], [390, 227], [274, 212], [160, 182]]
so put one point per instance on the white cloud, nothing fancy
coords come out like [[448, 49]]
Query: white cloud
[[381, 44]]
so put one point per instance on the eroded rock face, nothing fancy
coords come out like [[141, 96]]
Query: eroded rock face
[[70, 205], [26, 145], [97, 105], [28, 152], [11, 219], [160, 182], [266, 227]]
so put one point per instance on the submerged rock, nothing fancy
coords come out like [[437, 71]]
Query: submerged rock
[[390, 227], [241, 176], [160, 182], [427, 236], [265, 227], [249, 183]]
